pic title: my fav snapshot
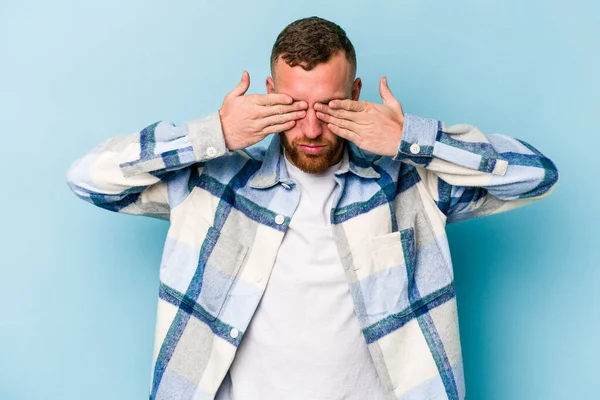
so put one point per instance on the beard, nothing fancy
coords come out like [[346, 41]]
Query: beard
[[313, 163]]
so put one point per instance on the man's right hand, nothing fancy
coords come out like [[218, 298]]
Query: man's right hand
[[247, 120]]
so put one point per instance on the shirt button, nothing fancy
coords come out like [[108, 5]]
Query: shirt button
[[211, 151], [234, 333], [279, 219], [415, 148]]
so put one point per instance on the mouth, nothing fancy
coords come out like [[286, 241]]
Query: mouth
[[311, 149]]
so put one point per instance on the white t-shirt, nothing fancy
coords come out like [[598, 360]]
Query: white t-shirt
[[304, 341]]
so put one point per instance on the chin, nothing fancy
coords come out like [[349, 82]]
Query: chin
[[312, 164]]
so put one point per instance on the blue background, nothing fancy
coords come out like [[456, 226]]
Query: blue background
[[79, 284]]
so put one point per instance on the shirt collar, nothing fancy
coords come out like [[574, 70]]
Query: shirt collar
[[274, 171]]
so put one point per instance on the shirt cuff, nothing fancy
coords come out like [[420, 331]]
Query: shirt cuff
[[206, 136], [418, 138]]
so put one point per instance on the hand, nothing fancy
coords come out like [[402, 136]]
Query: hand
[[376, 128], [247, 120]]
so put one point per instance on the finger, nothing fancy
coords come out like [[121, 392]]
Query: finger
[[282, 118], [344, 133], [243, 86], [282, 109], [342, 123], [278, 128], [272, 99], [386, 94], [349, 105], [343, 114]]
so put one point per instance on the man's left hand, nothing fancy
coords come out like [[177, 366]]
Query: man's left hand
[[376, 128]]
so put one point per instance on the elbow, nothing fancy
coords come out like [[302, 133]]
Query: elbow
[[75, 177], [528, 185], [78, 179], [547, 184]]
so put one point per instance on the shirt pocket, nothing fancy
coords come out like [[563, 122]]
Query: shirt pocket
[[402, 271]]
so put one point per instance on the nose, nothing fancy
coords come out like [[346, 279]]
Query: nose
[[311, 126]]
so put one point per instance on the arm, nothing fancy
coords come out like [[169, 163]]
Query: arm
[[470, 174], [467, 173], [130, 173]]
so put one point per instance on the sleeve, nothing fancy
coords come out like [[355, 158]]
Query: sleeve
[[131, 173], [469, 174]]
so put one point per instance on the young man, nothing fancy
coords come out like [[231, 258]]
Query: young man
[[317, 268]]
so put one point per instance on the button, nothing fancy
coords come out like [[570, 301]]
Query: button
[[415, 148], [234, 333], [285, 185], [279, 219], [211, 151]]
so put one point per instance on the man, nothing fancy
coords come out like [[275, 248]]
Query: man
[[317, 268]]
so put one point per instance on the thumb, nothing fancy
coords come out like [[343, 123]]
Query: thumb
[[386, 94], [243, 86]]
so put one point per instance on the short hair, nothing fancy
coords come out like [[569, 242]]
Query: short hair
[[311, 41]]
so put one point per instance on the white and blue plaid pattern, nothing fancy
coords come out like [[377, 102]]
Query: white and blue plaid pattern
[[229, 211]]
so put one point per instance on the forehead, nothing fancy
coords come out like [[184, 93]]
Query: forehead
[[324, 82]]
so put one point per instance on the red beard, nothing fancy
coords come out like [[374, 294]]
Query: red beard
[[309, 163]]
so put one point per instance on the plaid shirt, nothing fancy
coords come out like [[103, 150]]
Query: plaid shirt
[[229, 211]]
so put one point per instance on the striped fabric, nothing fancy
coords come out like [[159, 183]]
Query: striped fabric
[[229, 211]]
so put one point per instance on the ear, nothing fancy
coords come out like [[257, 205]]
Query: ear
[[270, 85], [356, 87]]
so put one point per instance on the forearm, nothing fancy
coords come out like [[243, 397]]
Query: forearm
[[121, 169], [461, 155]]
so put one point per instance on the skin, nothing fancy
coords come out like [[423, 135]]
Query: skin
[[375, 128], [247, 119], [311, 145], [314, 112]]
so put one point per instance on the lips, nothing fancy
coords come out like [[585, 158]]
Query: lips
[[311, 149]]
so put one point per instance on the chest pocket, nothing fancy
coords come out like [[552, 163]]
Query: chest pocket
[[401, 271]]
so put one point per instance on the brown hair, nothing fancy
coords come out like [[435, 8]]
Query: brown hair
[[311, 41]]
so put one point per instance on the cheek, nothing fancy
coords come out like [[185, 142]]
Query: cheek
[[292, 134], [330, 136]]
